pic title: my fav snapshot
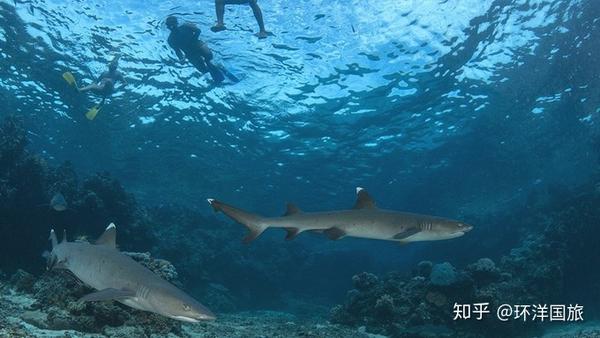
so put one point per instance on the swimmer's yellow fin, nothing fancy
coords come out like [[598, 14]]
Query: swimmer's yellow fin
[[68, 76], [91, 114]]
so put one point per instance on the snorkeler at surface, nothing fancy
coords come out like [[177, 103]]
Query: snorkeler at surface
[[184, 41], [220, 8], [103, 86]]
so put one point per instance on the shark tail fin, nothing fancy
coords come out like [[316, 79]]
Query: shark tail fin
[[253, 222]]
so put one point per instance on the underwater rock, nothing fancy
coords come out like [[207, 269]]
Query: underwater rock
[[22, 281], [484, 271], [36, 318], [218, 297], [436, 298], [364, 281], [13, 141], [443, 274], [384, 306], [424, 269], [161, 267]]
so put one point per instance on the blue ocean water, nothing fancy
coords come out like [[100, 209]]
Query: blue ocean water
[[458, 108]]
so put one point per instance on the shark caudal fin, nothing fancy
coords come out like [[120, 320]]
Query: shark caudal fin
[[251, 221]]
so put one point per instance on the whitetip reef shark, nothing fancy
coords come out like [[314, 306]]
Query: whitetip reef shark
[[118, 277], [58, 202], [365, 220]]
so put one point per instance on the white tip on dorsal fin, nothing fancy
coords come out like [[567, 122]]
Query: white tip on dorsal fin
[[53, 239], [109, 237], [210, 200], [363, 200]]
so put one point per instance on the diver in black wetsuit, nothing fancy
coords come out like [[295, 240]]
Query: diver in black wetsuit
[[184, 41]]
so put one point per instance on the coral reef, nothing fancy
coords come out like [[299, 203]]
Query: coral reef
[[27, 185]]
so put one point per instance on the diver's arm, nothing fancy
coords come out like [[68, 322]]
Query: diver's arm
[[195, 32], [193, 29], [101, 77], [121, 78]]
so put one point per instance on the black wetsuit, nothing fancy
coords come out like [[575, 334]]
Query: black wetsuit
[[184, 39]]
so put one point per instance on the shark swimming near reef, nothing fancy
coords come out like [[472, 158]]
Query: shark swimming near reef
[[118, 277], [365, 220], [58, 202]]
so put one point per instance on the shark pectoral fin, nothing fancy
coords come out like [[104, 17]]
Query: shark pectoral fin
[[406, 234], [334, 233], [364, 200], [107, 294], [292, 210], [291, 233], [53, 263], [62, 264], [252, 235]]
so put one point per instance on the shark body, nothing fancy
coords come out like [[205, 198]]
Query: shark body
[[118, 277], [365, 220]]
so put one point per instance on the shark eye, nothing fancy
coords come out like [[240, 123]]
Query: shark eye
[[186, 307]]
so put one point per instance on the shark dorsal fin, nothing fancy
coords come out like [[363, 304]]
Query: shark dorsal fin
[[292, 210], [109, 237], [53, 239], [363, 200]]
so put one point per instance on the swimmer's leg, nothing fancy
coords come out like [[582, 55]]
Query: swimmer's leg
[[220, 9], [215, 72], [94, 87], [199, 64], [204, 66], [204, 61], [262, 33]]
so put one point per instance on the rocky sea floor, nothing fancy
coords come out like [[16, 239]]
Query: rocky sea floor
[[20, 318]]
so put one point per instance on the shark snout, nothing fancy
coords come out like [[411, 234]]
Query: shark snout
[[205, 314], [197, 316], [189, 310], [464, 228]]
